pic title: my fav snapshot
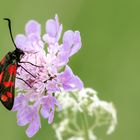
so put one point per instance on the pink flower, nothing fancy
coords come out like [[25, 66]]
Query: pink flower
[[41, 74]]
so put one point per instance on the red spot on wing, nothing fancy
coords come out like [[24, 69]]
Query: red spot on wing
[[4, 98], [8, 84], [1, 76], [12, 69], [9, 94], [3, 61]]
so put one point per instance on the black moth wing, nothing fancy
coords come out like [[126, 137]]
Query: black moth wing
[[7, 81]]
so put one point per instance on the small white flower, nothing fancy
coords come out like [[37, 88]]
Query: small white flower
[[85, 105]]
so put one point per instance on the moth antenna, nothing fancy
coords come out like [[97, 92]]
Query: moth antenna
[[10, 30], [24, 81]]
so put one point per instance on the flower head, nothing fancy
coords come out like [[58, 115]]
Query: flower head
[[84, 105], [44, 74]]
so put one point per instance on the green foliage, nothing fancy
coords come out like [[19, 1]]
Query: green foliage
[[108, 61]]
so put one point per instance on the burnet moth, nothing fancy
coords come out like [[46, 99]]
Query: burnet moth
[[8, 68]]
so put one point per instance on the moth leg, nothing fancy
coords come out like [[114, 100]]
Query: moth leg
[[26, 70], [24, 81], [30, 64]]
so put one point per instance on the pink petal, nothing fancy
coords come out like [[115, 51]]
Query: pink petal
[[77, 43], [68, 38], [69, 80], [44, 112], [21, 42], [51, 117], [51, 28], [33, 27], [34, 126]]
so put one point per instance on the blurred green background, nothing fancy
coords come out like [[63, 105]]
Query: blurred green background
[[109, 60]]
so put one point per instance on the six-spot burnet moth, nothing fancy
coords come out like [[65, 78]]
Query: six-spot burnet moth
[[8, 68]]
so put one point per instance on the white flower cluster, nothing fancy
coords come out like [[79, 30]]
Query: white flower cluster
[[83, 111]]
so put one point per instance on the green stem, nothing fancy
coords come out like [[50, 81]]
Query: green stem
[[85, 127]]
